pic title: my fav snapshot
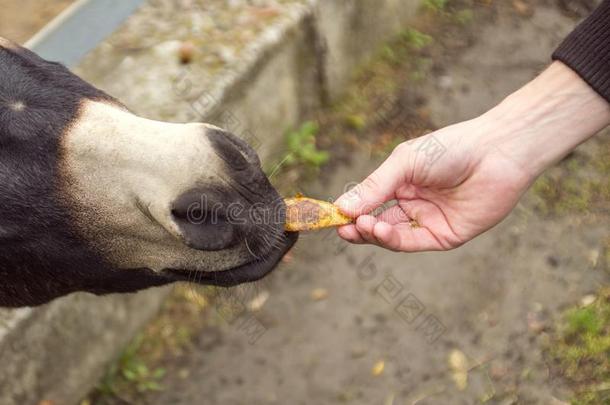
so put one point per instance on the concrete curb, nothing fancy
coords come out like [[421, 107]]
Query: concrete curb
[[80, 27], [58, 351]]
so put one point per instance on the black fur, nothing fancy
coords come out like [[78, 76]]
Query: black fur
[[41, 257]]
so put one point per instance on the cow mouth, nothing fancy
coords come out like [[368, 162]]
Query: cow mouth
[[244, 273]]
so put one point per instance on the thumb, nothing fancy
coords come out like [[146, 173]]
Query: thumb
[[376, 189]]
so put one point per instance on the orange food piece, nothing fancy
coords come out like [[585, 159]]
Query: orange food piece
[[307, 214]]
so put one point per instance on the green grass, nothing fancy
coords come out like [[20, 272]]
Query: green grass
[[355, 121], [137, 371], [579, 185], [565, 195], [415, 39], [464, 17], [581, 350], [130, 375], [403, 47], [302, 149], [435, 5], [581, 345]]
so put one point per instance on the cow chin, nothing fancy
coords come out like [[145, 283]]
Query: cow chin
[[254, 269]]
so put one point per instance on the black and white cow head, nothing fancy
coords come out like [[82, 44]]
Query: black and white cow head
[[94, 198]]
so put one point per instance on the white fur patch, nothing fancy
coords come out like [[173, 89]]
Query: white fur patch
[[17, 106], [120, 175], [5, 43]]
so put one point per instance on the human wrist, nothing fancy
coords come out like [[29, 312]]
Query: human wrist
[[542, 122]]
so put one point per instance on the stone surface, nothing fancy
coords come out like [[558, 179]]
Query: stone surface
[[55, 352], [351, 30]]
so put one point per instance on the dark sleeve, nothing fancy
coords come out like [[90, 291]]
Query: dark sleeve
[[587, 50]]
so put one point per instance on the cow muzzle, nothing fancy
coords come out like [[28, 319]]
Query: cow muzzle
[[241, 206], [172, 197]]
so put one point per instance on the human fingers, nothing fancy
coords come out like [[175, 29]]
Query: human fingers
[[378, 188]]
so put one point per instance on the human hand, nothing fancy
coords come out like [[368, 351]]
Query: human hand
[[484, 167], [449, 186]]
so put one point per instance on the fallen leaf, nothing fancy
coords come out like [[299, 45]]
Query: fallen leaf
[[265, 12], [522, 7], [319, 294], [288, 257], [458, 363], [378, 368], [256, 304], [587, 300], [186, 52], [305, 214], [194, 297], [535, 322], [593, 257]]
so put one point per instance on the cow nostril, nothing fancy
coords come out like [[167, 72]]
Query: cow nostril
[[203, 225], [198, 216], [204, 232]]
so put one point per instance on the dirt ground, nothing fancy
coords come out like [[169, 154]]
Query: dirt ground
[[20, 20], [343, 324]]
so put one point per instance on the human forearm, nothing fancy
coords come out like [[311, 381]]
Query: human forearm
[[546, 119], [486, 164]]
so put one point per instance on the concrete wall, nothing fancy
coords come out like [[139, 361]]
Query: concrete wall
[[351, 30], [58, 351]]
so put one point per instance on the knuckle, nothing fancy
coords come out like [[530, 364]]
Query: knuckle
[[452, 242], [371, 183], [400, 149]]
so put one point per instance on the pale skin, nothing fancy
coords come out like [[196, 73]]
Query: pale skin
[[444, 199]]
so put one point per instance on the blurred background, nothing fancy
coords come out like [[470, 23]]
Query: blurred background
[[324, 91]]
